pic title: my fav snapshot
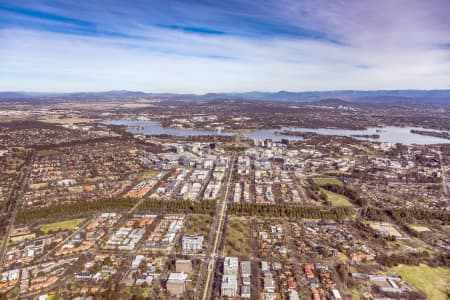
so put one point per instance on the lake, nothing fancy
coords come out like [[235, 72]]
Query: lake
[[388, 134]]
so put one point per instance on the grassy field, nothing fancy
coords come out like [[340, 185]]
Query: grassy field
[[63, 225], [23, 237], [433, 282], [141, 291], [35, 186], [13, 118], [389, 228], [325, 180], [147, 175], [63, 120], [237, 237], [198, 223], [334, 173], [336, 199], [419, 228], [13, 164], [48, 152], [93, 180], [136, 105]]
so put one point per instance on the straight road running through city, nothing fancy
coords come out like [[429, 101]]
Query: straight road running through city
[[212, 259]]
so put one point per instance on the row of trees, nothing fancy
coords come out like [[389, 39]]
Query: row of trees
[[372, 213], [73, 143], [54, 211], [179, 206], [408, 216], [415, 258], [289, 211], [404, 216]]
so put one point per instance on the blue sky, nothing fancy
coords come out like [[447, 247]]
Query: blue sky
[[224, 46]]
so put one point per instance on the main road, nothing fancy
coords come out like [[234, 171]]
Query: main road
[[17, 199], [212, 259], [444, 175]]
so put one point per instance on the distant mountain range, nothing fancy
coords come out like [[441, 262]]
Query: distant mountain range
[[375, 97], [381, 96]]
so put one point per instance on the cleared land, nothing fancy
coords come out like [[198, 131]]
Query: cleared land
[[63, 225], [237, 237], [336, 199], [326, 180], [433, 282]]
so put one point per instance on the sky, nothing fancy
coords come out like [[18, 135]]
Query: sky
[[224, 46]]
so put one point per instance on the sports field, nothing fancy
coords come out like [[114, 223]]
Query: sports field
[[63, 225]]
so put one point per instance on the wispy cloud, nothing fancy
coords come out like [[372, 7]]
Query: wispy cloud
[[201, 30], [37, 14], [202, 46]]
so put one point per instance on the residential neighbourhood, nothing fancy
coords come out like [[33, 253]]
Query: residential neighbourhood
[[225, 150], [104, 213]]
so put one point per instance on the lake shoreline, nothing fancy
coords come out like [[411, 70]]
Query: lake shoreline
[[387, 134]]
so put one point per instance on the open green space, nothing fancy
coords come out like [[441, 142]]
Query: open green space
[[62, 225], [433, 282], [36, 186], [13, 118], [46, 152], [13, 164], [198, 224], [23, 237], [147, 175], [334, 173], [419, 228], [237, 237], [93, 180], [66, 120], [328, 180], [141, 292], [336, 199]]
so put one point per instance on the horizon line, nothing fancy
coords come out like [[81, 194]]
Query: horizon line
[[231, 92]]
